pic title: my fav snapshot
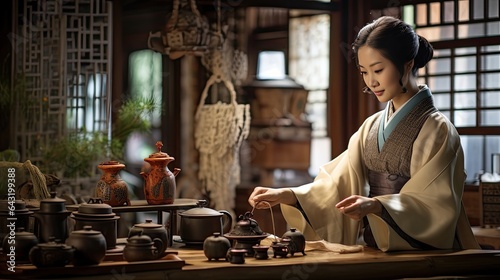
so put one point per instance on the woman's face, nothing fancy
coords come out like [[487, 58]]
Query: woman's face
[[380, 75]]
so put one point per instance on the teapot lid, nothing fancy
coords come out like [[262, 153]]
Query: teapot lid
[[95, 206], [140, 240], [148, 224], [19, 206], [54, 244], [160, 154], [201, 211], [53, 199], [87, 230]]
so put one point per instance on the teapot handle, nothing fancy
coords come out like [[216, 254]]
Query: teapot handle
[[228, 223], [158, 246]]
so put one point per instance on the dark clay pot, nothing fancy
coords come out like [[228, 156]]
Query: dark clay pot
[[22, 242], [90, 246], [297, 241], [216, 246], [199, 223], [21, 213], [51, 254], [142, 248], [152, 230], [52, 218], [100, 217]]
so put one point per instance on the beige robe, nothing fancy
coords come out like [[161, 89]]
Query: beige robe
[[428, 208]]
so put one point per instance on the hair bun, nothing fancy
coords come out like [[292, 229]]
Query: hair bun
[[424, 54]]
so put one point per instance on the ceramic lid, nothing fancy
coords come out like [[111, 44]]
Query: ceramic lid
[[95, 206], [201, 211], [87, 230], [111, 163], [54, 244], [53, 204], [159, 154], [140, 240], [148, 224], [19, 206]]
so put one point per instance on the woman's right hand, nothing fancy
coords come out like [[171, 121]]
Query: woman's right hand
[[272, 196]]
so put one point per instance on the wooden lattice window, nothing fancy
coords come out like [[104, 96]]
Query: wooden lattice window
[[464, 75]]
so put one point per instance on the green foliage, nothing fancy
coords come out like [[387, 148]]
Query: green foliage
[[78, 154]]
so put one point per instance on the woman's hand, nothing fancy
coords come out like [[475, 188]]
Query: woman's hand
[[356, 206], [272, 196]]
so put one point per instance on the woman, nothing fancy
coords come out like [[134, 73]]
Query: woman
[[399, 184]]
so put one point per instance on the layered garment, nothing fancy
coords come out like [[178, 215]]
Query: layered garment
[[428, 208]]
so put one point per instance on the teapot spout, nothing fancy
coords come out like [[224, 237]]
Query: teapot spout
[[176, 171]]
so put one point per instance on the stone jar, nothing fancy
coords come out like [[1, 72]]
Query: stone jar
[[111, 188]]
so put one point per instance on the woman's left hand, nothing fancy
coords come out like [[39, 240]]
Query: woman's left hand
[[356, 206]]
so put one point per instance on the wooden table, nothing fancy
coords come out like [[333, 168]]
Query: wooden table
[[369, 264]]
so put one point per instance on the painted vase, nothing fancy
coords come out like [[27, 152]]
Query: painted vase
[[111, 189], [159, 181]]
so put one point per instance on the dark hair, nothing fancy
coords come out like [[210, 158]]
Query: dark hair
[[396, 40]]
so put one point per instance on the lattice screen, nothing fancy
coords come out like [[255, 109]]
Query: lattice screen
[[63, 50]]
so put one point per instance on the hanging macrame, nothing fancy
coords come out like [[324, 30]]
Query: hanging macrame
[[219, 131], [221, 127]]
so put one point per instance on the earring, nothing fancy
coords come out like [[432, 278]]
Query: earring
[[367, 90], [405, 90]]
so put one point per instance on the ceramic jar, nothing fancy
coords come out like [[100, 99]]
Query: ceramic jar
[[201, 222], [216, 246], [21, 213], [152, 230], [90, 246], [297, 241], [100, 217], [142, 248], [159, 181], [52, 218], [111, 188], [21, 242], [51, 254], [236, 256]]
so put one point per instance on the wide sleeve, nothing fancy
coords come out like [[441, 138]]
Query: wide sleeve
[[343, 176], [429, 205]]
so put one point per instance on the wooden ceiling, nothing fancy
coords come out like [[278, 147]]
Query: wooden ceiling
[[138, 5]]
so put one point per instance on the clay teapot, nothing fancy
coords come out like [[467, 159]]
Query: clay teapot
[[90, 246], [216, 246], [152, 230], [111, 188], [159, 181], [52, 217], [142, 248], [21, 242], [51, 254], [201, 222], [246, 226]]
